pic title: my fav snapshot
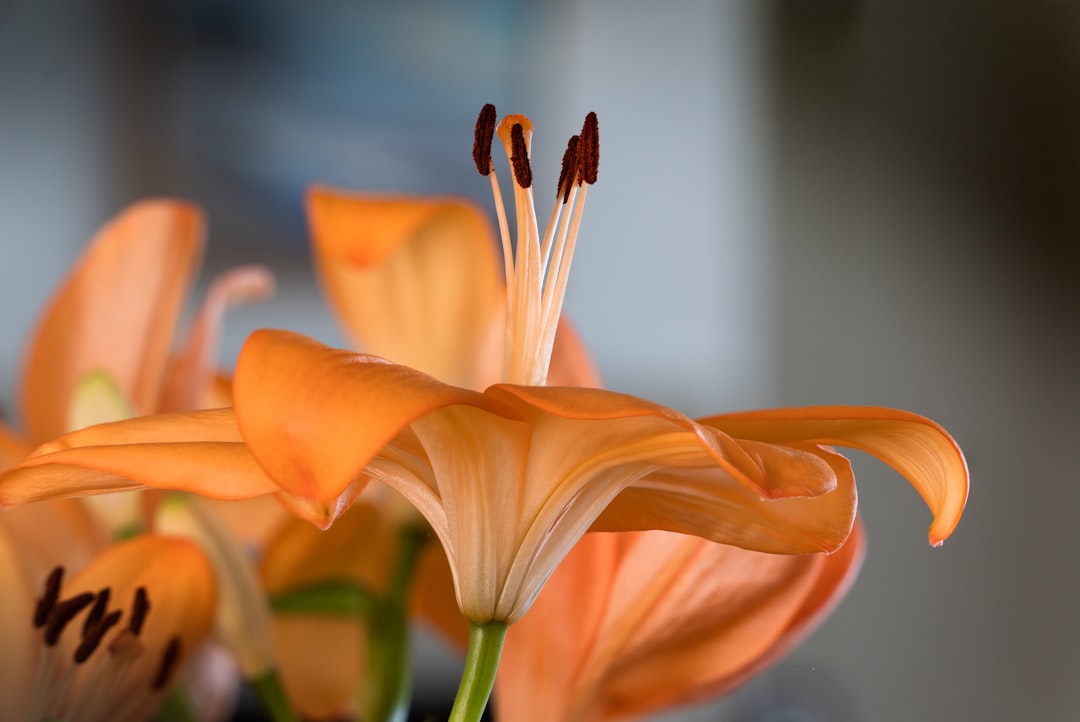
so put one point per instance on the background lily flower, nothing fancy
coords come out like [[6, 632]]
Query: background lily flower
[[117, 312], [633, 623], [109, 643], [417, 281]]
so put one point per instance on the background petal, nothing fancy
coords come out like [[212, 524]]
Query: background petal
[[116, 312], [416, 281]]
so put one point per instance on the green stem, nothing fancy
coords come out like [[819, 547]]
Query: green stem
[[177, 707], [389, 688], [268, 688], [481, 663]]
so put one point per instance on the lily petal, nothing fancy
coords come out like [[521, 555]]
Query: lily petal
[[115, 312], [362, 402], [606, 642], [201, 452], [13, 448], [20, 639], [413, 280], [917, 448]]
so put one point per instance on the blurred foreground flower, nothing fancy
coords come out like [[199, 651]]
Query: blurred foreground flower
[[509, 478], [108, 644]]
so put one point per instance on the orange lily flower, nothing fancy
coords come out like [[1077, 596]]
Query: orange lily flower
[[108, 644], [511, 477], [605, 641]]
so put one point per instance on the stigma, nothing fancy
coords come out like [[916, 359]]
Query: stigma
[[536, 266]]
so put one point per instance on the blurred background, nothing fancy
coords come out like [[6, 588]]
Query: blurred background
[[800, 202]]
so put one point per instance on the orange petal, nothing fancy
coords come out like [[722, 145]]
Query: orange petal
[[21, 643], [322, 657], [13, 448], [433, 598], [192, 380], [916, 447], [115, 312], [412, 280], [342, 409], [59, 532], [571, 362], [199, 452], [359, 547], [634, 623], [323, 660]]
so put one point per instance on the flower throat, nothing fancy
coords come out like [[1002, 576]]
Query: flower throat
[[536, 267]]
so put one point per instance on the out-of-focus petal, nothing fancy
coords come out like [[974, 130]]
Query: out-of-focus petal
[[201, 452], [116, 312], [60, 532], [918, 448], [323, 655], [242, 614], [13, 448], [433, 597], [413, 280], [359, 548], [571, 362], [21, 645], [192, 379]]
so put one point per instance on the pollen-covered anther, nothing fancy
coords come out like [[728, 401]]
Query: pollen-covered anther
[[519, 157], [139, 609], [568, 174], [62, 613], [590, 149], [92, 639], [169, 661], [485, 133], [49, 597], [97, 612]]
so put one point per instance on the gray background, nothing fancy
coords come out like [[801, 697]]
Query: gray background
[[799, 202]]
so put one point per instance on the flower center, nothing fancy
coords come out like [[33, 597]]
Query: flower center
[[536, 267], [89, 685]]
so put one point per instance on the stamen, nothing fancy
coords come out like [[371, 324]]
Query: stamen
[[63, 613], [485, 132], [48, 598], [590, 149], [168, 664], [92, 640], [97, 611], [570, 166], [537, 266], [519, 157], [139, 609]]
